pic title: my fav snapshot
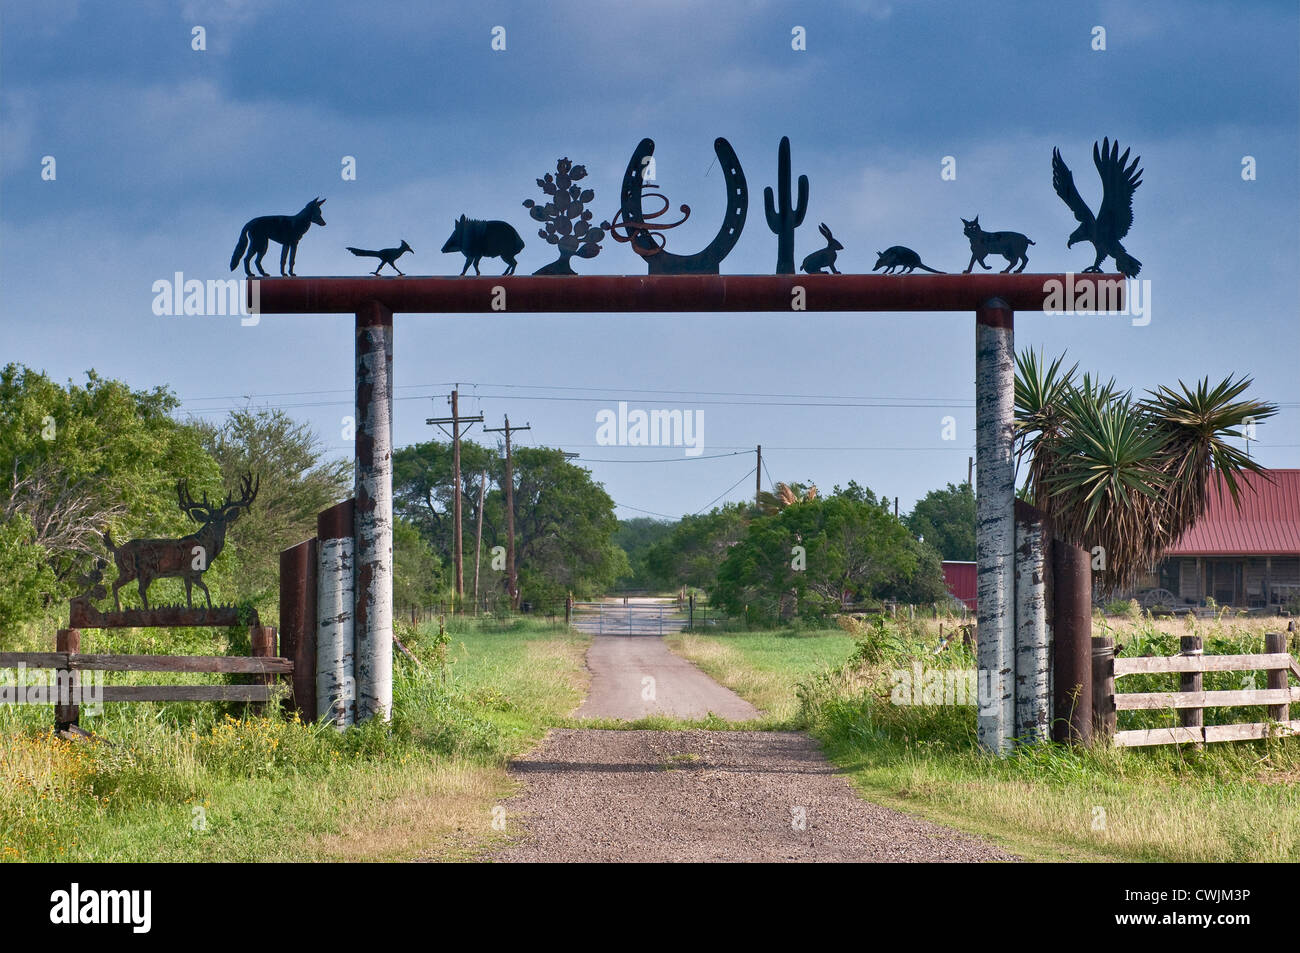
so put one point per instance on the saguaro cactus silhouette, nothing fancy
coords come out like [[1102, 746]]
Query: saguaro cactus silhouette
[[783, 220], [568, 221]]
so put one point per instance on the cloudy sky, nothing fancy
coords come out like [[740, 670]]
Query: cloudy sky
[[161, 153]]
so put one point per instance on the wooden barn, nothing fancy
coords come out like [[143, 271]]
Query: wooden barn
[[1248, 558]]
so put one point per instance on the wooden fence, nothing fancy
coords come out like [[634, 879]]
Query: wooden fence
[[1191, 700], [262, 661]]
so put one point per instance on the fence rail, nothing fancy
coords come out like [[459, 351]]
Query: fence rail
[[1191, 700], [262, 663]]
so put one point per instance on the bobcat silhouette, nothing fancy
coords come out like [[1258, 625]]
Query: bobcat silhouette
[[1010, 245]]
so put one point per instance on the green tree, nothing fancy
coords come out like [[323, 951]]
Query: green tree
[[564, 528], [76, 460], [296, 484], [417, 573], [691, 554], [810, 556], [945, 519], [635, 537], [422, 492]]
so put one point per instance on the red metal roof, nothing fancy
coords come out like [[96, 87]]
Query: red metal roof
[[1268, 523]]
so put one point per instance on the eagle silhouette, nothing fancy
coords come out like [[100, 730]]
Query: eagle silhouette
[[1119, 180]]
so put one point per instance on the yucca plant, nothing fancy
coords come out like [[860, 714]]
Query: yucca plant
[[1128, 476]]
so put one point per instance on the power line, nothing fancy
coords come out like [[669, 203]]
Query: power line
[[725, 492]]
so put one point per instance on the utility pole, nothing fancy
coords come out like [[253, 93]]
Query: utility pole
[[510, 512], [478, 548], [970, 465], [455, 420], [758, 474]]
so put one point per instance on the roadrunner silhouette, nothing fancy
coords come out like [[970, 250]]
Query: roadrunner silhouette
[[1115, 217], [386, 256]]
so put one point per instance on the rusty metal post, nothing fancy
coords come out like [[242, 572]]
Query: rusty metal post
[[66, 717], [335, 605], [1105, 716], [1072, 643], [298, 623], [995, 380], [374, 512], [1033, 664], [1275, 642]]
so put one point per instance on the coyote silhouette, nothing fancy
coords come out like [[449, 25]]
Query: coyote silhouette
[[285, 229]]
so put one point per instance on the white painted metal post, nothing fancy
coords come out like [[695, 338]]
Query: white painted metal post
[[374, 512], [335, 591], [1033, 664], [995, 521]]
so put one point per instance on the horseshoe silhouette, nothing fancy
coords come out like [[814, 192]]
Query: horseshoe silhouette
[[705, 261]]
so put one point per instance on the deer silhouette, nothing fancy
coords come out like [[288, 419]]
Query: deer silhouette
[[187, 558]]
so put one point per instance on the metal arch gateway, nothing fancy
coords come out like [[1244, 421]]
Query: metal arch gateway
[[993, 298]]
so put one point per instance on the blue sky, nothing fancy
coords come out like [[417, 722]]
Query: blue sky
[[164, 152]]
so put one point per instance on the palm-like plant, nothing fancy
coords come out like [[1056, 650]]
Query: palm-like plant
[[1128, 476], [786, 494]]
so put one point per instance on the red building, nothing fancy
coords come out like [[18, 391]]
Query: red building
[[959, 577], [1247, 557]]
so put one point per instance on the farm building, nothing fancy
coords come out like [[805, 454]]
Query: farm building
[[959, 577], [1248, 558]]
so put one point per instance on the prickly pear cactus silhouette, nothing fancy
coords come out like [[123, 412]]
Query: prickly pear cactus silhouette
[[568, 221], [783, 219]]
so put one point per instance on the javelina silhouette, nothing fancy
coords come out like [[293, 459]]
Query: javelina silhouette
[[476, 239]]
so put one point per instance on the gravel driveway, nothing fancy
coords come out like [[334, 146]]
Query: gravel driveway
[[649, 796]]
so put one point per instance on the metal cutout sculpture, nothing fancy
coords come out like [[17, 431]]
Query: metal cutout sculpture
[[566, 216], [386, 256], [1119, 180], [187, 558], [823, 257], [782, 217], [903, 258], [1010, 245], [477, 239], [288, 230], [640, 229]]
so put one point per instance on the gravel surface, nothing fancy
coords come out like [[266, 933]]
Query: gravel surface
[[652, 796]]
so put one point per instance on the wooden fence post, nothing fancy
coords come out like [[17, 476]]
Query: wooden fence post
[[1277, 677], [262, 640], [67, 716], [1191, 646], [1105, 716]]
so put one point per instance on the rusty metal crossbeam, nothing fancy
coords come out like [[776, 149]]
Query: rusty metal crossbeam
[[650, 293]]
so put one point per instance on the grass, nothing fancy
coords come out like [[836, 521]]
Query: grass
[[764, 667], [1229, 802], [184, 782]]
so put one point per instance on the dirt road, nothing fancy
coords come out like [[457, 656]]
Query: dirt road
[[653, 796], [693, 795], [635, 675]]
